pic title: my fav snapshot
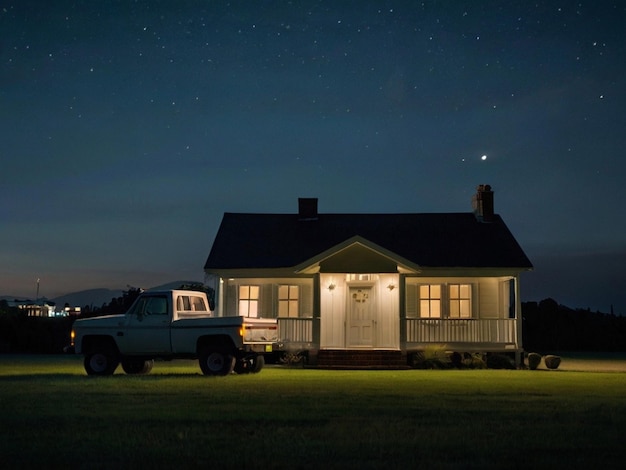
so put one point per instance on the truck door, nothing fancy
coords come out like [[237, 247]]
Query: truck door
[[148, 327]]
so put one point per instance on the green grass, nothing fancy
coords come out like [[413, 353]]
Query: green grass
[[53, 415]]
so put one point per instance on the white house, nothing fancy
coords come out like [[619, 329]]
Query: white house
[[367, 289]]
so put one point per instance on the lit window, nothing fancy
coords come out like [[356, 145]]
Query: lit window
[[430, 301], [460, 300], [249, 301], [288, 297]]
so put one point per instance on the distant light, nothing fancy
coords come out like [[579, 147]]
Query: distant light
[[483, 158]]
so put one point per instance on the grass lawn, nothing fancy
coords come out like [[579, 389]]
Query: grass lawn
[[54, 416]]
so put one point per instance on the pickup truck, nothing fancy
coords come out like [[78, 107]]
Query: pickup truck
[[172, 324]]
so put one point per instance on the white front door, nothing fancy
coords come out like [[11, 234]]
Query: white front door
[[360, 321]]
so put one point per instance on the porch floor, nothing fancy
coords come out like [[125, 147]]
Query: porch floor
[[361, 359]]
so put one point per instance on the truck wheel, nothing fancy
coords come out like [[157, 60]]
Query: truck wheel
[[101, 363], [257, 363], [214, 362], [137, 366], [242, 366]]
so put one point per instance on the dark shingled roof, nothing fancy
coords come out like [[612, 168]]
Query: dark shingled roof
[[428, 240]]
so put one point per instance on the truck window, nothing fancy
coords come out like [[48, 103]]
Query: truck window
[[150, 305], [156, 306], [182, 303], [186, 303], [198, 304]]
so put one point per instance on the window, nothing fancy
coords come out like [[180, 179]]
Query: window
[[249, 301], [288, 298], [182, 303], [190, 303], [156, 306], [197, 304], [430, 300], [460, 300], [150, 305]]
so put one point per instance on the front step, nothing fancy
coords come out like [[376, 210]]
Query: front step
[[361, 359]]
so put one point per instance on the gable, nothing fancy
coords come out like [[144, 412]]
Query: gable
[[358, 259], [356, 255]]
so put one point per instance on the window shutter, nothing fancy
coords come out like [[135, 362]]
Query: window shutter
[[266, 301], [230, 302], [306, 300], [411, 300]]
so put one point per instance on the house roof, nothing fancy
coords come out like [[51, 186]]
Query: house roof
[[258, 241]]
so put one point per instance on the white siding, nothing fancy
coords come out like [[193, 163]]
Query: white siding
[[488, 302], [332, 311], [388, 316]]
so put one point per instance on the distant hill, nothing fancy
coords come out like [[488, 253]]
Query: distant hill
[[91, 297]]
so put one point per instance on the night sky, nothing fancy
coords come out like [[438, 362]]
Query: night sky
[[129, 127]]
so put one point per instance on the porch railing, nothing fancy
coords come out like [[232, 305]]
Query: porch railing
[[421, 330], [437, 330], [295, 330]]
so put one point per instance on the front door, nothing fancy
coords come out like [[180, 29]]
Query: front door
[[360, 322]]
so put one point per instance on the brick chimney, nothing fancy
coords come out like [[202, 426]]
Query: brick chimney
[[482, 203], [307, 208]]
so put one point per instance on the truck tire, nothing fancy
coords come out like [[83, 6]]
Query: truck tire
[[257, 363], [216, 362], [137, 366], [250, 364], [101, 363]]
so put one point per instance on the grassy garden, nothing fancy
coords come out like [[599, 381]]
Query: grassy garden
[[54, 416]]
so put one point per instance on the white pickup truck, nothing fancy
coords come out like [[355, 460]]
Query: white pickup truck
[[172, 324]]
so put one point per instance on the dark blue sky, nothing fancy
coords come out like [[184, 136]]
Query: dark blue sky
[[128, 128]]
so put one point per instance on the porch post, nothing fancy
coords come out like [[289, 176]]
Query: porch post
[[316, 329], [519, 360], [402, 311]]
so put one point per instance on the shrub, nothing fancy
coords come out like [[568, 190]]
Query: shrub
[[474, 361], [499, 361], [293, 358], [534, 360], [552, 362], [456, 359], [433, 357]]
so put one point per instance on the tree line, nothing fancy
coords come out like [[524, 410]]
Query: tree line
[[548, 326]]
